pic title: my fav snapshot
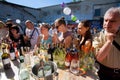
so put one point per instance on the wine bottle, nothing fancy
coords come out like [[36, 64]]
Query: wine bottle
[[6, 59], [16, 52], [21, 57], [50, 51], [74, 53], [12, 52]]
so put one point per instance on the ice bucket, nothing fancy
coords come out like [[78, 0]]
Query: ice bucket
[[44, 72]]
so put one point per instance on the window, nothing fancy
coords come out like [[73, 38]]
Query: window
[[97, 12]]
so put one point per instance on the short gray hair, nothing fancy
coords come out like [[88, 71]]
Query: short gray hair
[[28, 21], [115, 10]]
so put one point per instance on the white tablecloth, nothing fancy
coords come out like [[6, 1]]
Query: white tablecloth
[[12, 74]]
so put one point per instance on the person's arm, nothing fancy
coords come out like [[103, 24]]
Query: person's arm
[[88, 45], [55, 39], [68, 41], [105, 49]]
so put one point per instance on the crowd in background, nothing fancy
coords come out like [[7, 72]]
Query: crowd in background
[[16, 32]]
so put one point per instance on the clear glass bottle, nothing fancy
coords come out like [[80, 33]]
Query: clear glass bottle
[[74, 67], [23, 72]]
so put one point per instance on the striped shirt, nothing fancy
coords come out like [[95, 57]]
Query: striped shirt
[[113, 59]]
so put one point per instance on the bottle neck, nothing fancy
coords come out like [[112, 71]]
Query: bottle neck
[[22, 65], [4, 50], [21, 50]]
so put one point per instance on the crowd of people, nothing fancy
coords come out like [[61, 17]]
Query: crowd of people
[[45, 33], [106, 43]]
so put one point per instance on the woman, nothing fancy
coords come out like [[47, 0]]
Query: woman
[[44, 39], [66, 38], [16, 37], [85, 34], [85, 45]]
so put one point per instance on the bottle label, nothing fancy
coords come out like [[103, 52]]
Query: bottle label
[[12, 55], [6, 61]]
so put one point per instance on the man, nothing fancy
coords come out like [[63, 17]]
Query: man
[[31, 32], [107, 46]]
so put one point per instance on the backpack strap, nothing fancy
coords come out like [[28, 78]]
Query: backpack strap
[[37, 30], [32, 33], [116, 45]]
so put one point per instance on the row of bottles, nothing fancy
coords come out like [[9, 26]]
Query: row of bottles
[[45, 49], [9, 52]]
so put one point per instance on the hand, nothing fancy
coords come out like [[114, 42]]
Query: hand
[[26, 38], [110, 36], [55, 38]]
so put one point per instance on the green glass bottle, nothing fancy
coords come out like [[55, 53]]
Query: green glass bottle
[[6, 59]]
